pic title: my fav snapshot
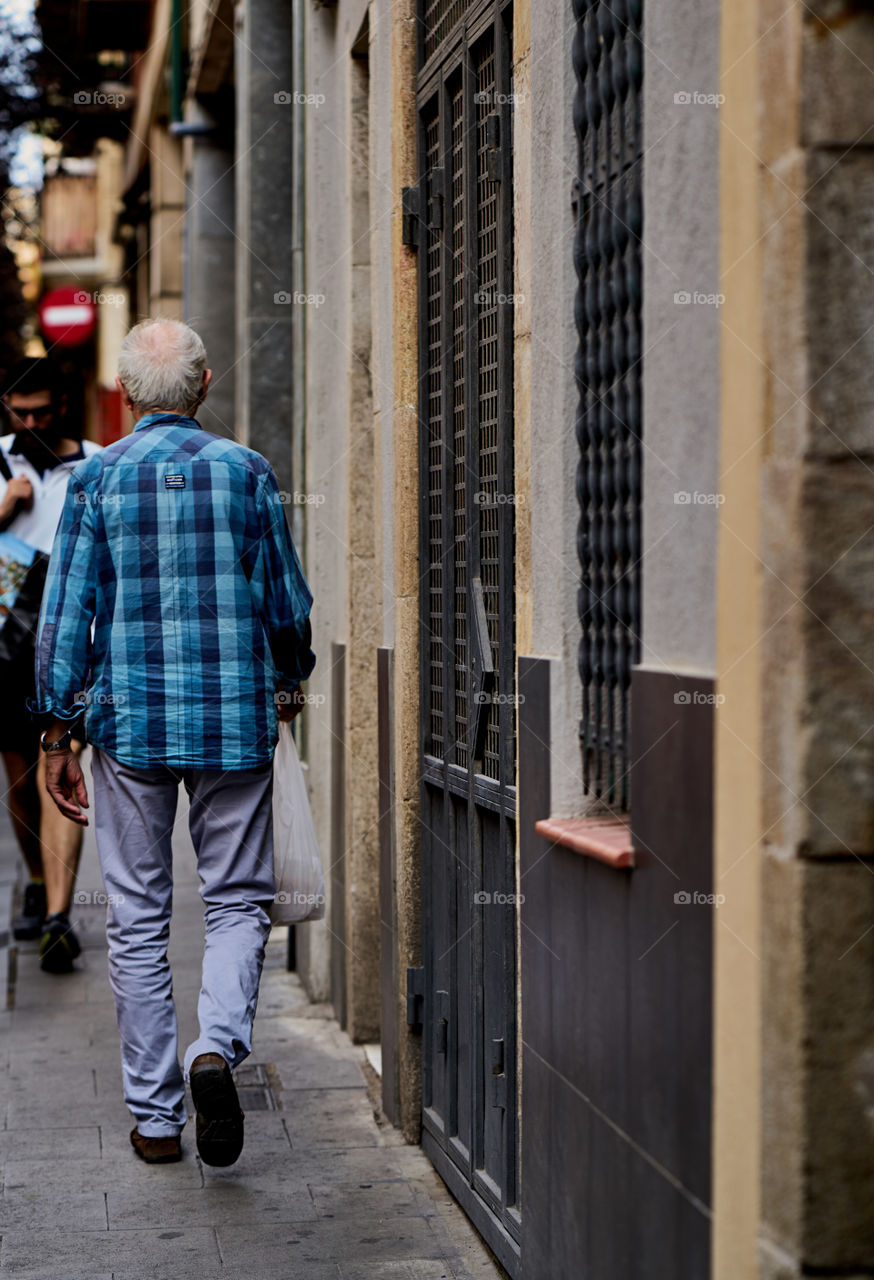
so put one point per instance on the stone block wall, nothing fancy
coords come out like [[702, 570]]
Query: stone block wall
[[817, 563]]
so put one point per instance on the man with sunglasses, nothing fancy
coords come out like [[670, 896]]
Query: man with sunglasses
[[36, 459]]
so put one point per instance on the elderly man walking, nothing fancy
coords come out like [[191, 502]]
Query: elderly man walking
[[174, 543]]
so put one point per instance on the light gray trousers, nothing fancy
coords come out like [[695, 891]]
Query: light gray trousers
[[231, 825]]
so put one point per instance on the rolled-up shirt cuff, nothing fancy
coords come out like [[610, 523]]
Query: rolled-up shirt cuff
[[43, 709]]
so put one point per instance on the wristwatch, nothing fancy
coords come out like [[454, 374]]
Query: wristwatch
[[62, 743]]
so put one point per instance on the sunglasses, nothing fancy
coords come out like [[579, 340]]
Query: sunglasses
[[40, 412]]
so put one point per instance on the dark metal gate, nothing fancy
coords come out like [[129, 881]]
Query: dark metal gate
[[461, 217]]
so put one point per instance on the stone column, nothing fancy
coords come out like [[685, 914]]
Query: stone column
[[794, 1088], [263, 61], [168, 215], [210, 252], [407, 816], [363, 593], [817, 555]]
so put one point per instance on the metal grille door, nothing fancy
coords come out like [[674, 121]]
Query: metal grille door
[[463, 223]]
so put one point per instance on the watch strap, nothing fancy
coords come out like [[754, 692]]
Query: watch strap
[[61, 744]]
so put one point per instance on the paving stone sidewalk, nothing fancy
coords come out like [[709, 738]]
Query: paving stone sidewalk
[[321, 1190]]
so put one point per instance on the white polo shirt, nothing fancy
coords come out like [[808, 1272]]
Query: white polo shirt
[[39, 525]]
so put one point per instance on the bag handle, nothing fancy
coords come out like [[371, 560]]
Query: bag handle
[[5, 469]]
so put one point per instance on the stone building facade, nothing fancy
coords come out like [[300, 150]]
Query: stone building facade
[[554, 319]]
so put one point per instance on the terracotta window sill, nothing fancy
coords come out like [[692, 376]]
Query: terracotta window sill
[[606, 839]]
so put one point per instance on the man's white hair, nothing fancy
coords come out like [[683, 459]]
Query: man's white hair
[[161, 363]]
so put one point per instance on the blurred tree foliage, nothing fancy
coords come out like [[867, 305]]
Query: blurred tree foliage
[[20, 105], [20, 97]]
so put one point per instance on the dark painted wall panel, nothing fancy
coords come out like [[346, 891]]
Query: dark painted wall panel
[[611, 1249], [617, 1008], [652, 1224], [606, 1017], [672, 822]]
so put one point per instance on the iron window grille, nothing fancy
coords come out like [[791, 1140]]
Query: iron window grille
[[608, 68]]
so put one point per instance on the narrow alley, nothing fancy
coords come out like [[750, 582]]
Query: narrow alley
[[486, 389], [322, 1191]]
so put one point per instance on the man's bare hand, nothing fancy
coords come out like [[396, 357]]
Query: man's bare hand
[[65, 783], [289, 704], [19, 491]]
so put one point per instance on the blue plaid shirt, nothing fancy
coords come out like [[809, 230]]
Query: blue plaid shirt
[[175, 542]]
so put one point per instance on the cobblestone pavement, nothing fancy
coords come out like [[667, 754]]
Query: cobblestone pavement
[[321, 1190]]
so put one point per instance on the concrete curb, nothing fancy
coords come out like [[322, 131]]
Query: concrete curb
[[9, 876], [7, 897]]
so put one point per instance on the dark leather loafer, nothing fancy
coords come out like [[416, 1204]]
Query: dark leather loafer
[[219, 1118], [156, 1150]]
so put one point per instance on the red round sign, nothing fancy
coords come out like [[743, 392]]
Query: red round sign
[[67, 316]]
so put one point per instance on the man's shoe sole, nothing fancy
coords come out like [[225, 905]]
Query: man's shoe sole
[[219, 1118]]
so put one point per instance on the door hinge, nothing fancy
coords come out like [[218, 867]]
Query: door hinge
[[415, 998], [410, 214], [498, 1076]]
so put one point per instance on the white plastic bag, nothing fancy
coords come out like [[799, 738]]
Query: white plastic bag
[[300, 882]]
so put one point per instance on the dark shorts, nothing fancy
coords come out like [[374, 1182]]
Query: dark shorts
[[19, 732]]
